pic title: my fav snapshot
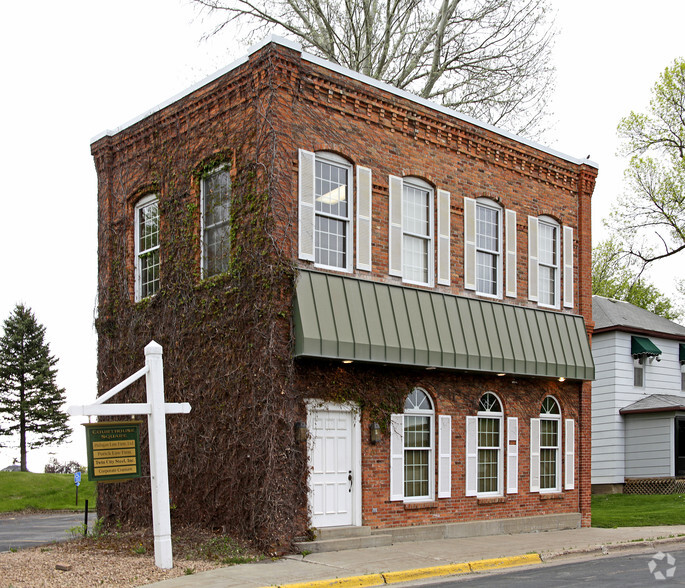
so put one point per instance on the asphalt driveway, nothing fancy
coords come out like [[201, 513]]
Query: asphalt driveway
[[29, 530]]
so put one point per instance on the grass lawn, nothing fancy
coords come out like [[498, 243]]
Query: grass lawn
[[636, 510], [28, 491]]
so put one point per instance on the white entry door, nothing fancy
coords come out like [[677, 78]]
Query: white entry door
[[334, 467]]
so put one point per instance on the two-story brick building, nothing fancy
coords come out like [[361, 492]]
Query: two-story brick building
[[324, 257]]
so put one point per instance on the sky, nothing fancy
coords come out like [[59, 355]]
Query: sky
[[74, 69]]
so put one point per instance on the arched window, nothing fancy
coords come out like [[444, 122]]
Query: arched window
[[550, 445], [489, 444], [488, 248], [147, 247], [548, 262], [418, 446], [215, 194]]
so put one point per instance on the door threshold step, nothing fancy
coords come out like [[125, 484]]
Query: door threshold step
[[342, 544]]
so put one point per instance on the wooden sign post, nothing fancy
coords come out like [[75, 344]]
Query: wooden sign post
[[156, 410]]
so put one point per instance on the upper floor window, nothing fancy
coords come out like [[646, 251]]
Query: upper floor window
[[333, 211], [417, 232], [548, 262], [216, 200], [147, 247], [488, 249], [639, 371]]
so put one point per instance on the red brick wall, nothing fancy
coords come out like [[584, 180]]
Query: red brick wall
[[305, 106]]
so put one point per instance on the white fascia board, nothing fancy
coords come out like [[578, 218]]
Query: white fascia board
[[355, 76]]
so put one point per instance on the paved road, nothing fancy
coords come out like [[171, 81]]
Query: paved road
[[633, 570], [31, 530]]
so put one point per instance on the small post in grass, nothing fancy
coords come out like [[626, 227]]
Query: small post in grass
[[85, 521], [77, 481]]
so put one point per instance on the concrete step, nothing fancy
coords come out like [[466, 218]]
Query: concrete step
[[342, 544], [341, 532]]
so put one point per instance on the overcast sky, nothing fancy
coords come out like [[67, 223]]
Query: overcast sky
[[73, 69]]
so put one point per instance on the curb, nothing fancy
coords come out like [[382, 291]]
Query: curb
[[418, 573], [613, 548]]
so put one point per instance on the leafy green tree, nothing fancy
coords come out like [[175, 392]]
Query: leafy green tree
[[490, 59], [30, 400], [619, 275], [651, 215]]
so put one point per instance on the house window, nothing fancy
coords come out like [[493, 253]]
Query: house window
[[418, 446], [216, 209], [417, 232], [682, 378], [639, 372], [333, 211], [550, 445], [548, 260], [488, 249], [489, 444], [147, 247]]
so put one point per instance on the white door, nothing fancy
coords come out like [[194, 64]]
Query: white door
[[333, 483]]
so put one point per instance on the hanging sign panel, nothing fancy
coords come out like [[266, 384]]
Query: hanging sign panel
[[113, 450]]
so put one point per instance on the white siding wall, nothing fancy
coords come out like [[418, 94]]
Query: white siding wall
[[649, 445], [613, 389]]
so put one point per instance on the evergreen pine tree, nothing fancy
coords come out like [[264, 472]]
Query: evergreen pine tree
[[30, 400]]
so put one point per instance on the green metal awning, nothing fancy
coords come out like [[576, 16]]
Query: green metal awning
[[643, 346], [345, 318]]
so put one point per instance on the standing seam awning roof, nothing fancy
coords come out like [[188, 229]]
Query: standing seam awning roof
[[345, 318]]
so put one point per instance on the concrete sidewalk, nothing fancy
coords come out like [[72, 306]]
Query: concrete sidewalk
[[425, 559]]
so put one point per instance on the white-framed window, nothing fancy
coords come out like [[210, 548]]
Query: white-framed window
[[639, 371], [550, 445], [417, 232], [418, 446], [147, 247], [488, 249], [548, 262], [215, 196], [489, 445], [332, 212]]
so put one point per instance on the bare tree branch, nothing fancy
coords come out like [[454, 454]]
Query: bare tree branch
[[487, 58]]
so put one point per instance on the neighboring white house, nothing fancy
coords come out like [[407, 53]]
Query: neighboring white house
[[638, 399]]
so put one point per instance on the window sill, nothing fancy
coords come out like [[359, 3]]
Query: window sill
[[420, 505], [552, 496], [491, 500]]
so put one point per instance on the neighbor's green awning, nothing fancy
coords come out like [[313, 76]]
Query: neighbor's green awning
[[643, 346], [346, 318]]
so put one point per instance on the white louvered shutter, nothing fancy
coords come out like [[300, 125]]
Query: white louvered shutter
[[568, 267], [511, 272], [397, 457], [364, 197], [306, 204], [533, 258], [569, 454], [443, 237], [469, 244], [471, 456], [535, 455], [512, 455], [444, 456], [395, 236]]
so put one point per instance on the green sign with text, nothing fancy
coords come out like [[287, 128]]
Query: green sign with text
[[113, 450]]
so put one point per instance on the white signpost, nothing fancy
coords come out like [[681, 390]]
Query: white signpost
[[156, 410]]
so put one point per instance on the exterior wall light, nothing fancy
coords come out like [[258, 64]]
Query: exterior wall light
[[347, 361], [562, 379], [375, 433], [300, 432]]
